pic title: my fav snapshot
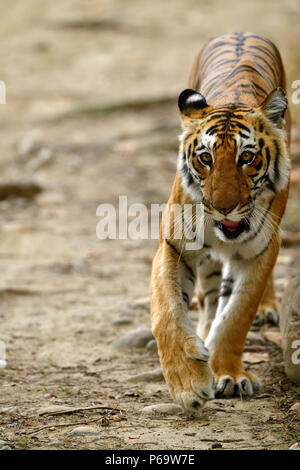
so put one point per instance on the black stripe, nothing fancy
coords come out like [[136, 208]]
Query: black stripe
[[186, 298], [188, 268], [261, 224], [276, 162], [226, 292], [213, 274], [211, 291], [229, 280]]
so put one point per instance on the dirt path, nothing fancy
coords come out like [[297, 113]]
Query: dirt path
[[91, 115]]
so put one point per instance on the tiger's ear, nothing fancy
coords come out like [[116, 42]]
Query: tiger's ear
[[274, 106], [191, 101]]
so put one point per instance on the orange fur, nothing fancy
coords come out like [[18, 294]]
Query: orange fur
[[234, 105]]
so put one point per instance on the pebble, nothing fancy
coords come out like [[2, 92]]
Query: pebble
[[85, 431], [167, 408], [254, 338], [255, 357], [47, 410], [138, 338], [273, 336], [152, 345], [216, 445], [8, 410], [295, 407], [151, 376], [122, 320], [295, 446], [142, 302], [5, 448]]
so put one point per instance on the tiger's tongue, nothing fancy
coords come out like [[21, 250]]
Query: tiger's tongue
[[230, 225]]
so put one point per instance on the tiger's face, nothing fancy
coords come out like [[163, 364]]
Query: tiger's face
[[233, 159]]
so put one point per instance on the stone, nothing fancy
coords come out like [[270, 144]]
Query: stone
[[5, 448], [163, 408], [216, 445], [290, 329], [295, 407], [295, 446], [273, 336], [152, 345], [122, 320], [85, 431], [151, 376], [8, 410], [134, 339], [254, 338], [48, 410], [255, 357], [142, 302]]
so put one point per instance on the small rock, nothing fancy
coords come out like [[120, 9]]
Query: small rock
[[295, 407], [85, 431], [254, 338], [27, 145], [216, 445], [151, 376], [135, 339], [152, 345], [167, 408], [8, 410], [273, 336], [295, 446], [122, 320], [3, 363], [48, 410], [43, 157], [255, 357], [142, 302], [5, 448], [281, 283], [284, 259]]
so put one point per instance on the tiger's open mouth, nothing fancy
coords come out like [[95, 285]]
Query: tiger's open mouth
[[232, 229]]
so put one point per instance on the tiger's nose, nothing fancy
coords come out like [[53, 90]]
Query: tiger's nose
[[225, 210]]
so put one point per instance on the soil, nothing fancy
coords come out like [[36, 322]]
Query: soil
[[91, 115]]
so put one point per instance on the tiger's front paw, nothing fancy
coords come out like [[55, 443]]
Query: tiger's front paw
[[239, 384], [187, 373]]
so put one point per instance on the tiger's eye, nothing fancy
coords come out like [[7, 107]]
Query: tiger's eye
[[246, 157], [206, 158]]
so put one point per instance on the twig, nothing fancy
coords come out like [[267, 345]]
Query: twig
[[75, 410], [63, 424]]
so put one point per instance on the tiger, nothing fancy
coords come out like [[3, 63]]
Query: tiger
[[234, 163]]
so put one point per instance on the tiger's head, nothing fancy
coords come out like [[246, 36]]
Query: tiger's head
[[233, 159]]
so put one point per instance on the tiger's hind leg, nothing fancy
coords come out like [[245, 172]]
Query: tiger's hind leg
[[208, 288], [267, 311]]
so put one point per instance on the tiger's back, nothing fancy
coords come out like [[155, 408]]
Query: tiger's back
[[237, 68]]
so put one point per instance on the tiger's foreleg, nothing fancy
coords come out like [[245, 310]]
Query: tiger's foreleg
[[183, 357], [242, 292]]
